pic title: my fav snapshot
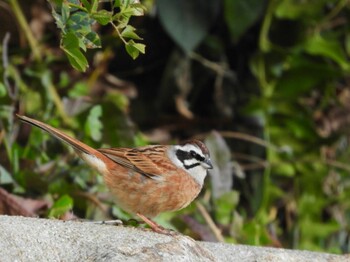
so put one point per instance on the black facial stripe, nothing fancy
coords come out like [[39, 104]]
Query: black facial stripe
[[196, 156], [191, 166], [184, 155]]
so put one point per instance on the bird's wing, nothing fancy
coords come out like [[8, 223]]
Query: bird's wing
[[150, 161]]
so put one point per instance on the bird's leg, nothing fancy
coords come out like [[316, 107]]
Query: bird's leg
[[155, 227]]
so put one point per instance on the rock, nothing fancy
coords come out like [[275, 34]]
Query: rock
[[33, 239]]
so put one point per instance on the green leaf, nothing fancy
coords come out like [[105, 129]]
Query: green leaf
[[94, 5], [103, 17], [318, 45], [82, 40], [241, 14], [126, 13], [70, 45], [129, 32], [3, 91], [303, 75], [70, 41], [122, 20], [188, 22], [134, 49], [74, 2], [79, 89], [86, 4], [137, 9], [93, 125], [80, 28], [80, 22], [61, 206], [285, 169], [289, 9], [65, 12], [118, 3], [77, 59], [58, 19], [225, 205], [92, 40], [140, 47], [64, 80], [119, 99]]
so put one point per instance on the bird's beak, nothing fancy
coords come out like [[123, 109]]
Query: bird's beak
[[207, 161]]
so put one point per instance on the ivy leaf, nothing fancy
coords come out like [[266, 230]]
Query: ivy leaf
[[188, 22], [241, 14]]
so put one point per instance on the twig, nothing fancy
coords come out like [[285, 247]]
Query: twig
[[2, 135], [210, 222], [337, 164], [254, 166], [118, 32], [243, 156], [92, 199], [34, 45], [57, 101], [249, 138], [336, 9], [257, 162], [216, 67], [12, 92]]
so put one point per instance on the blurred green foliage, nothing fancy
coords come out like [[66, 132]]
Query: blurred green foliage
[[75, 19], [272, 77]]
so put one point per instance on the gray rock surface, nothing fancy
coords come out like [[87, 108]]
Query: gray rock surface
[[32, 239]]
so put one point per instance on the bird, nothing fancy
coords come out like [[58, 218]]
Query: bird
[[145, 181]]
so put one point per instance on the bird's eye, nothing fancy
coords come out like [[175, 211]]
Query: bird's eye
[[193, 154]]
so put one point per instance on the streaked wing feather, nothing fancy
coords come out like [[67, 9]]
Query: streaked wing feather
[[117, 155], [145, 160]]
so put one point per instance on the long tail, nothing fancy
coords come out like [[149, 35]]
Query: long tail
[[76, 144]]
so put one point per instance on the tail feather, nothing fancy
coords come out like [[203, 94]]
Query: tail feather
[[76, 144]]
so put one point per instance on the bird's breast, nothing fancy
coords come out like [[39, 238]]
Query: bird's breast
[[136, 193]]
